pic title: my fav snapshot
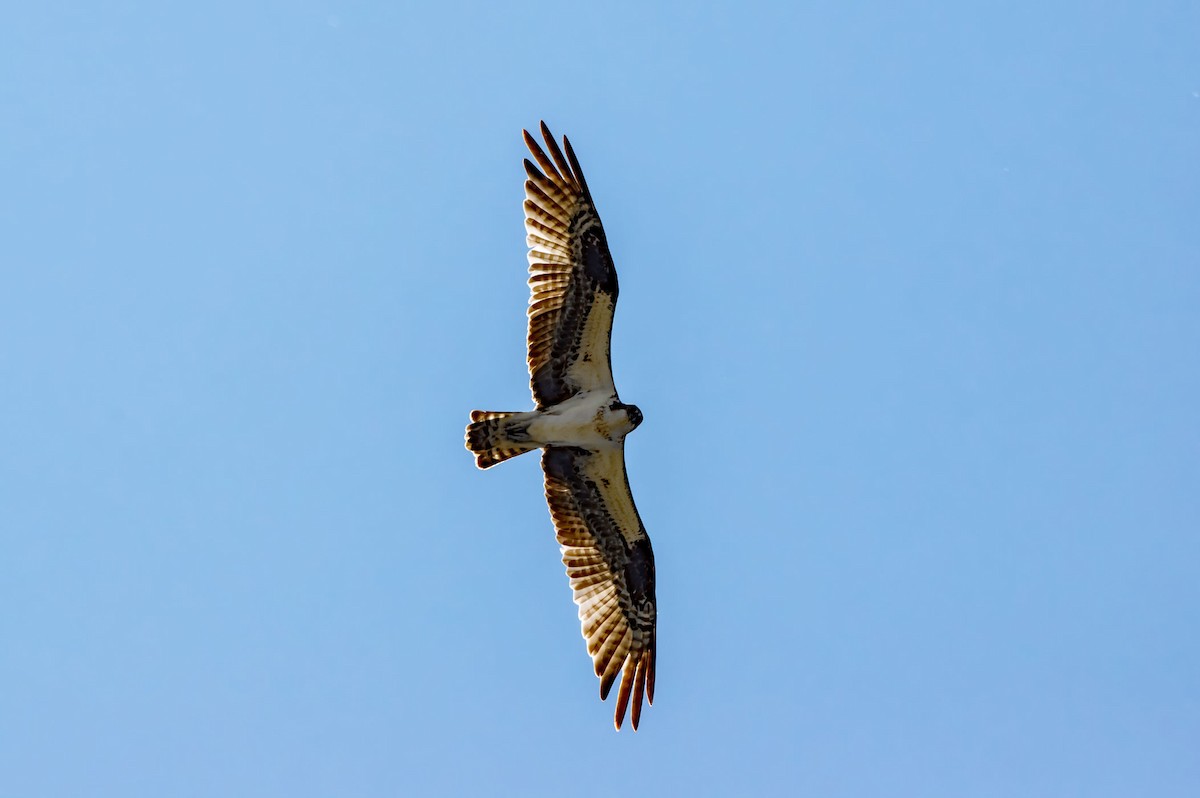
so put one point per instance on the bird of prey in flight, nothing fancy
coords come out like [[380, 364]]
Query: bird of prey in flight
[[580, 424]]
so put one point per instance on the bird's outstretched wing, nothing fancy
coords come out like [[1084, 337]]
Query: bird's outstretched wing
[[610, 565], [572, 282]]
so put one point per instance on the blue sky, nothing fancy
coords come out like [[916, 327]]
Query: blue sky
[[909, 299]]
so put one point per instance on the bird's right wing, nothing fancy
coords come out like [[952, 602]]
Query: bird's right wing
[[572, 281]]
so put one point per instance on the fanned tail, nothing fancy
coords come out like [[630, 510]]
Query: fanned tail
[[497, 436]]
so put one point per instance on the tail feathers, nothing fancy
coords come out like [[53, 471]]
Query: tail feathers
[[495, 437]]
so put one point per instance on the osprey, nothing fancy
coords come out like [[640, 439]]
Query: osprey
[[580, 424]]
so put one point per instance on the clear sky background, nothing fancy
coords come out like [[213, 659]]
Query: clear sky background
[[910, 299]]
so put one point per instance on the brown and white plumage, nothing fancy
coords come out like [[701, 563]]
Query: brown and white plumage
[[572, 281], [610, 565], [581, 424]]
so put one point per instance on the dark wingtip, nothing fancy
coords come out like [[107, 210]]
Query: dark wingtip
[[639, 688], [650, 675], [550, 167], [606, 685], [562, 165], [623, 694], [575, 168]]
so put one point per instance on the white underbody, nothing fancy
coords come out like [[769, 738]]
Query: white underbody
[[584, 420]]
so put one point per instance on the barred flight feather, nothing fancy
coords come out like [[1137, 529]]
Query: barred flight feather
[[599, 530], [569, 329]]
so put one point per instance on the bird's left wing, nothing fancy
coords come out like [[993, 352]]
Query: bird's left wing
[[610, 565]]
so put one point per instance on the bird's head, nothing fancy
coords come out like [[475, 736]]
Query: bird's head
[[631, 412], [635, 415]]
